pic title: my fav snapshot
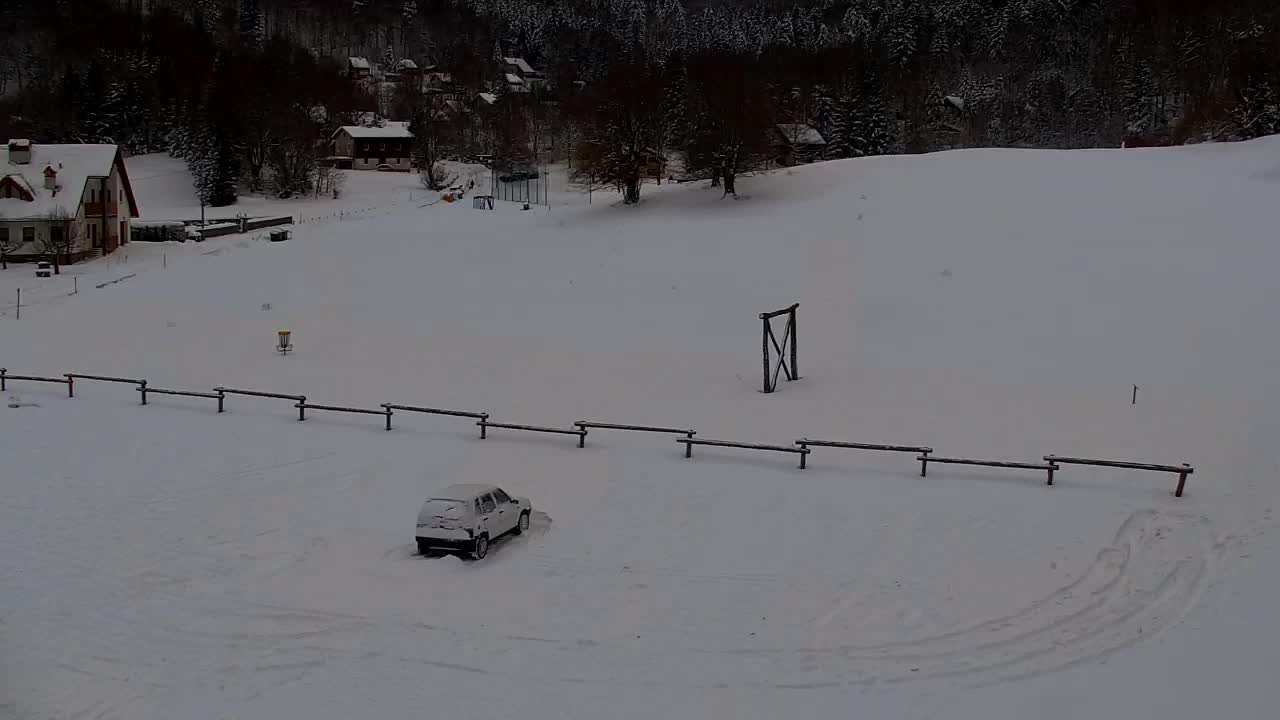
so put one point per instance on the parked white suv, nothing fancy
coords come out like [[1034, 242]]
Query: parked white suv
[[467, 517]]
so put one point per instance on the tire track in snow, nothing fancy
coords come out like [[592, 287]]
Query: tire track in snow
[[1139, 585]]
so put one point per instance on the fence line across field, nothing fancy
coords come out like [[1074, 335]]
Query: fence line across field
[[802, 447]]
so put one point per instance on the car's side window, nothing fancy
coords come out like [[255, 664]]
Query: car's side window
[[486, 503], [501, 497], [477, 507]]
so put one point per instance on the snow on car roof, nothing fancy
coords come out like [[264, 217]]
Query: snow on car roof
[[464, 491]]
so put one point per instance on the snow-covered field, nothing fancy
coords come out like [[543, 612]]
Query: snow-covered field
[[170, 562]]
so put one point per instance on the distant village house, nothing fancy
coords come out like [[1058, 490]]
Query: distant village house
[[72, 200]]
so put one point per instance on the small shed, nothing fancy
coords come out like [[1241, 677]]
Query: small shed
[[797, 144]]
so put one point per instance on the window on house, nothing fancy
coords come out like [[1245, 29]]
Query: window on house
[[4, 237], [93, 236], [28, 234], [93, 195], [382, 146], [55, 236]]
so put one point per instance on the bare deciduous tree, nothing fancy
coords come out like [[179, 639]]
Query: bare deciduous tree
[[61, 238], [730, 118], [620, 116]]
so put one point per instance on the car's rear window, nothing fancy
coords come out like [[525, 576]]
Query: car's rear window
[[445, 508]]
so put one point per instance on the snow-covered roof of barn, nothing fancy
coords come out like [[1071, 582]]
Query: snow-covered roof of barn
[[74, 165], [488, 98], [801, 134], [406, 64], [520, 64], [389, 131], [358, 63], [513, 79]]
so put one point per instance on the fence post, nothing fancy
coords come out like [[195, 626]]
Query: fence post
[[71, 387], [2, 372], [1182, 481], [19, 311], [924, 466], [1052, 467], [388, 419], [142, 388], [765, 341], [221, 397], [795, 372], [302, 408]]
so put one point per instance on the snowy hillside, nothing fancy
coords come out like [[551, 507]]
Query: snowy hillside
[[170, 562]]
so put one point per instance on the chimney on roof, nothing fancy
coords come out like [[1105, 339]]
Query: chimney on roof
[[20, 152], [50, 178]]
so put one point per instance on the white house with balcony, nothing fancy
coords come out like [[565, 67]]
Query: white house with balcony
[[72, 200]]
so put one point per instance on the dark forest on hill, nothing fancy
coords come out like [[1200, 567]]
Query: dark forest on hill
[[248, 90]]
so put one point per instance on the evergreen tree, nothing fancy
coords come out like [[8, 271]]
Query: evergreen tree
[[830, 122], [252, 24], [869, 126]]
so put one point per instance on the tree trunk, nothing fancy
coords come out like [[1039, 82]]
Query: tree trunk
[[729, 180], [631, 190]]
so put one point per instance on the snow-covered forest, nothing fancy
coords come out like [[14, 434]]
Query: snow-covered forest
[[232, 84]]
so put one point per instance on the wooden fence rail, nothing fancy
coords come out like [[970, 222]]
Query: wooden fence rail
[[926, 459], [299, 399], [107, 378], [5, 377], [484, 424], [386, 412], [441, 411], [690, 442], [1182, 471], [220, 397], [584, 425], [915, 449]]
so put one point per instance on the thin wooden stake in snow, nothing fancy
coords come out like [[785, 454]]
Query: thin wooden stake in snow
[[1135, 394]]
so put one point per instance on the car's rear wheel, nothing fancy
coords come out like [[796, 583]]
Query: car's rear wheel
[[481, 548], [522, 525]]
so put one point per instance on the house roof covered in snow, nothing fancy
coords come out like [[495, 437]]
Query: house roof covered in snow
[[407, 64], [513, 79], [358, 63], [73, 165], [487, 98], [519, 64], [389, 131], [800, 134]]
